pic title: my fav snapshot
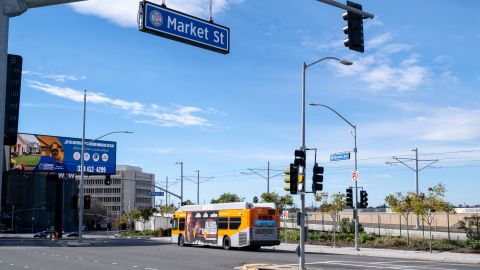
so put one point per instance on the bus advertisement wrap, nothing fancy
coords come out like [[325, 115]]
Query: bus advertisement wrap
[[42, 153], [202, 227]]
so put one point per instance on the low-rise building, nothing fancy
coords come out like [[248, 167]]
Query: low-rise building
[[128, 190]]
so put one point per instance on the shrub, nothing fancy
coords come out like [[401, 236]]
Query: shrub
[[473, 245], [292, 235], [318, 236], [419, 243], [446, 244], [366, 237], [347, 226]]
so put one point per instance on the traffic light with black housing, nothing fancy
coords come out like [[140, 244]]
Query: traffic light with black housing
[[349, 197], [74, 202], [354, 29], [87, 199], [108, 180], [363, 199], [291, 179], [317, 178], [12, 98], [300, 158]]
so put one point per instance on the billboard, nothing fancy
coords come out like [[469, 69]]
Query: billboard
[[42, 153]]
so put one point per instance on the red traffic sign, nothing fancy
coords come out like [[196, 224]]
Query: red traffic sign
[[354, 176]]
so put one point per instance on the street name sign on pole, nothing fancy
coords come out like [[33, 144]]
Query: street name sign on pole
[[340, 156], [355, 176], [168, 23], [156, 193]]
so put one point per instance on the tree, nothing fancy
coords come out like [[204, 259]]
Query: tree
[[280, 201], [427, 206], [332, 207], [146, 214], [167, 209], [187, 202], [94, 215], [401, 204], [255, 199], [129, 217], [227, 198]]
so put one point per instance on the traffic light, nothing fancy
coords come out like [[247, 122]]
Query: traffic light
[[108, 180], [363, 199], [291, 179], [317, 178], [349, 197], [87, 199], [300, 158], [354, 29], [12, 98], [74, 202]]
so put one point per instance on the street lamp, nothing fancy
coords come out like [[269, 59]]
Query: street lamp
[[304, 148], [355, 153], [82, 167]]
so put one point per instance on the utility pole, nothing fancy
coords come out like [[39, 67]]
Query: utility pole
[[181, 181], [198, 186], [416, 170], [166, 194], [268, 177]]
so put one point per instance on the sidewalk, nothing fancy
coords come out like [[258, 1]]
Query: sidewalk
[[387, 253]]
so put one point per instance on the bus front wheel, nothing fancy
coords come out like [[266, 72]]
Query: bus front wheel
[[181, 240], [226, 243]]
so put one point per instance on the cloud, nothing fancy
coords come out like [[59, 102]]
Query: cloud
[[124, 12], [153, 113], [379, 40], [55, 77], [448, 124]]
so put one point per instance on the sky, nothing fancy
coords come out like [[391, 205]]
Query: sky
[[416, 86]]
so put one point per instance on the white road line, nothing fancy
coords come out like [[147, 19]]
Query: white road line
[[26, 267], [114, 263], [134, 266], [359, 265], [95, 261]]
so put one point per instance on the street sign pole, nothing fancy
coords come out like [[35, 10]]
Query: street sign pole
[[356, 188]]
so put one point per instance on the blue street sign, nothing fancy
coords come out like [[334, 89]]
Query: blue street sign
[[340, 156], [157, 193], [162, 21]]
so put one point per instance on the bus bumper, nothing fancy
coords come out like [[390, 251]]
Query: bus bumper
[[265, 242]]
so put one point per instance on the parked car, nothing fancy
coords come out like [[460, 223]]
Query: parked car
[[9, 231], [72, 234], [43, 234]]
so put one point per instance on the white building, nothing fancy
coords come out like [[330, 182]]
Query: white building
[[129, 190]]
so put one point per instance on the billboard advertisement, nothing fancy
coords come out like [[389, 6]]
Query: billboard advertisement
[[42, 153]]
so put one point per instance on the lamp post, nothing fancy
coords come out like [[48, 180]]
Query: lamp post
[[301, 265], [355, 211], [82, 167]]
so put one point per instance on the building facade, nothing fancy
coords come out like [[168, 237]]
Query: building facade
[[128, 190]]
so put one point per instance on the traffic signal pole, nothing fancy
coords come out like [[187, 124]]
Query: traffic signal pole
[[12, 8], [301, 263]]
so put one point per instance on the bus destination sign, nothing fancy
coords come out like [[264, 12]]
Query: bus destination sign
[[168, 23]]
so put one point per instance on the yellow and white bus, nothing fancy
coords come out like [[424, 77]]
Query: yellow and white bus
[[229, 225]]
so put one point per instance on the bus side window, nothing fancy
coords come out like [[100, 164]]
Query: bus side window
[[174, 224], [181, 226], [223, 223], [235, 223]]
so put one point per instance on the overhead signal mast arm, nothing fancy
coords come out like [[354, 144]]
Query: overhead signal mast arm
[[364, 14]]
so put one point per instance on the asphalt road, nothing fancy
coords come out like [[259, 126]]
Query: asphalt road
[[122, 254]]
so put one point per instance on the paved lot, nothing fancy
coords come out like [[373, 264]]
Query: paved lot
[[114, 254]]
